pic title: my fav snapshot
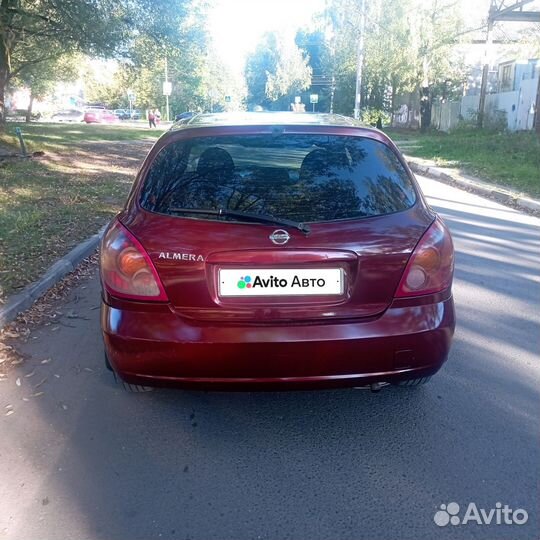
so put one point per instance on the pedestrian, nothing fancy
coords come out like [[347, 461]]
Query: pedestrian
[[157, 116], [151, 118]]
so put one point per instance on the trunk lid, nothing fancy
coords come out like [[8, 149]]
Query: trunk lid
[[205, 265]]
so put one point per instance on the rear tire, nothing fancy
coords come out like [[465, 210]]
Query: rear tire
[[414, 382], [107, 363], [128, 387], [135, 388]]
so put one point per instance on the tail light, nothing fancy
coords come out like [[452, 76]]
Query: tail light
[[126, 268], [431, 266]]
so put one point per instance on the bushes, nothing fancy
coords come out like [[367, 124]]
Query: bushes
[[371, 117]]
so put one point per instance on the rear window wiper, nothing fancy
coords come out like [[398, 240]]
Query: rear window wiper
[[263, 218]]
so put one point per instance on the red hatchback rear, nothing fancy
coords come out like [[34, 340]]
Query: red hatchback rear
[[264, 250]]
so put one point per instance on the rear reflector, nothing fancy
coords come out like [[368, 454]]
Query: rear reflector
[[431, 266], [126, 268]]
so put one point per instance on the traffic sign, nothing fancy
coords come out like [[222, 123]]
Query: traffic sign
[[314, 98], [167, 88]]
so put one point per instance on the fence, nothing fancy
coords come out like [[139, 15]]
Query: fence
[[514, 109]]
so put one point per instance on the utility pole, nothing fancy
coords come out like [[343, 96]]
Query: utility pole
[[537, 107], [360, 60], [485, 70]]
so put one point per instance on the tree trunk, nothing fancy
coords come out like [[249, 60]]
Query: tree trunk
[[7, 40], [4, 75], [29, 109], [425, 108]]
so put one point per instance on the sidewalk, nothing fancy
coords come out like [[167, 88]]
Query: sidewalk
[[456, 177], [469, 183]]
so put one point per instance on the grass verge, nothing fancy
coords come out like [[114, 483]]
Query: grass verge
[[49, 205], [50, 137], [510, 160]]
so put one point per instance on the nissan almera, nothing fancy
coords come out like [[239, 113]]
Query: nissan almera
[[276, 251]]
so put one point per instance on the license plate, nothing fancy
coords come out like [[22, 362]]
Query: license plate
[[280, 282]]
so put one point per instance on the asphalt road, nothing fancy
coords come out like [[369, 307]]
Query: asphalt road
[[85, 460]]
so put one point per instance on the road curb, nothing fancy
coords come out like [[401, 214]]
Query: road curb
[[503, 196], [23, 300]]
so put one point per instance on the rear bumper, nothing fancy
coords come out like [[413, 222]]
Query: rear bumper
[[162, 349]]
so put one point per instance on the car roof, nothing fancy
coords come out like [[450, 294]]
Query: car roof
[[266, 119]]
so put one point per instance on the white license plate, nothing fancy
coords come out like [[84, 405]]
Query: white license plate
[[280, 282]]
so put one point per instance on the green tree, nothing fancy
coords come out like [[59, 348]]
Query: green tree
[[41, 77], [276, 71], [408, 47], [199, 81], [316, 50], [100, 27]]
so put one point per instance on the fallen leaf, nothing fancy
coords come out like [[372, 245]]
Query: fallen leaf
[[9, 412], [46, 361], [25, 399], [40, 383], [89, 369], [9, 406], [32, 373], [37, 394], [56, 375], [18, 382]]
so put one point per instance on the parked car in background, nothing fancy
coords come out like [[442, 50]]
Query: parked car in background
[[93, 114], [68, 115], [99, 115], [276, 250], [184, 116], [121, 114], [136, 114]]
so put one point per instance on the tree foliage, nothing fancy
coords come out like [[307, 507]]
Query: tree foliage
[[199, 81], [275, 72], [36, 31], [408, 44]]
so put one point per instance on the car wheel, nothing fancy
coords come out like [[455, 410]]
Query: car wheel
[[128, 387], [136, 388], [413, 382], [131, 388], [107, 363]]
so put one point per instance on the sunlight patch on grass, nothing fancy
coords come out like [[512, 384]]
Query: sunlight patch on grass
[[508, 159], [49, 205]]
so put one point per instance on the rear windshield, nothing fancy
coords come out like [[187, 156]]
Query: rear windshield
[[305, 178]]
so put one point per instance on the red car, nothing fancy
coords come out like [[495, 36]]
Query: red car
[[98, 115], [268, 250]]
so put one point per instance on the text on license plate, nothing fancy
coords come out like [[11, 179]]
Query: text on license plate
[[280, 282]]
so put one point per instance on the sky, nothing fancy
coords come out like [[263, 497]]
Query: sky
[[237, 25]]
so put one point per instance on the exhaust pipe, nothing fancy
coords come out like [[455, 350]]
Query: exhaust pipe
[[374, 387]]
